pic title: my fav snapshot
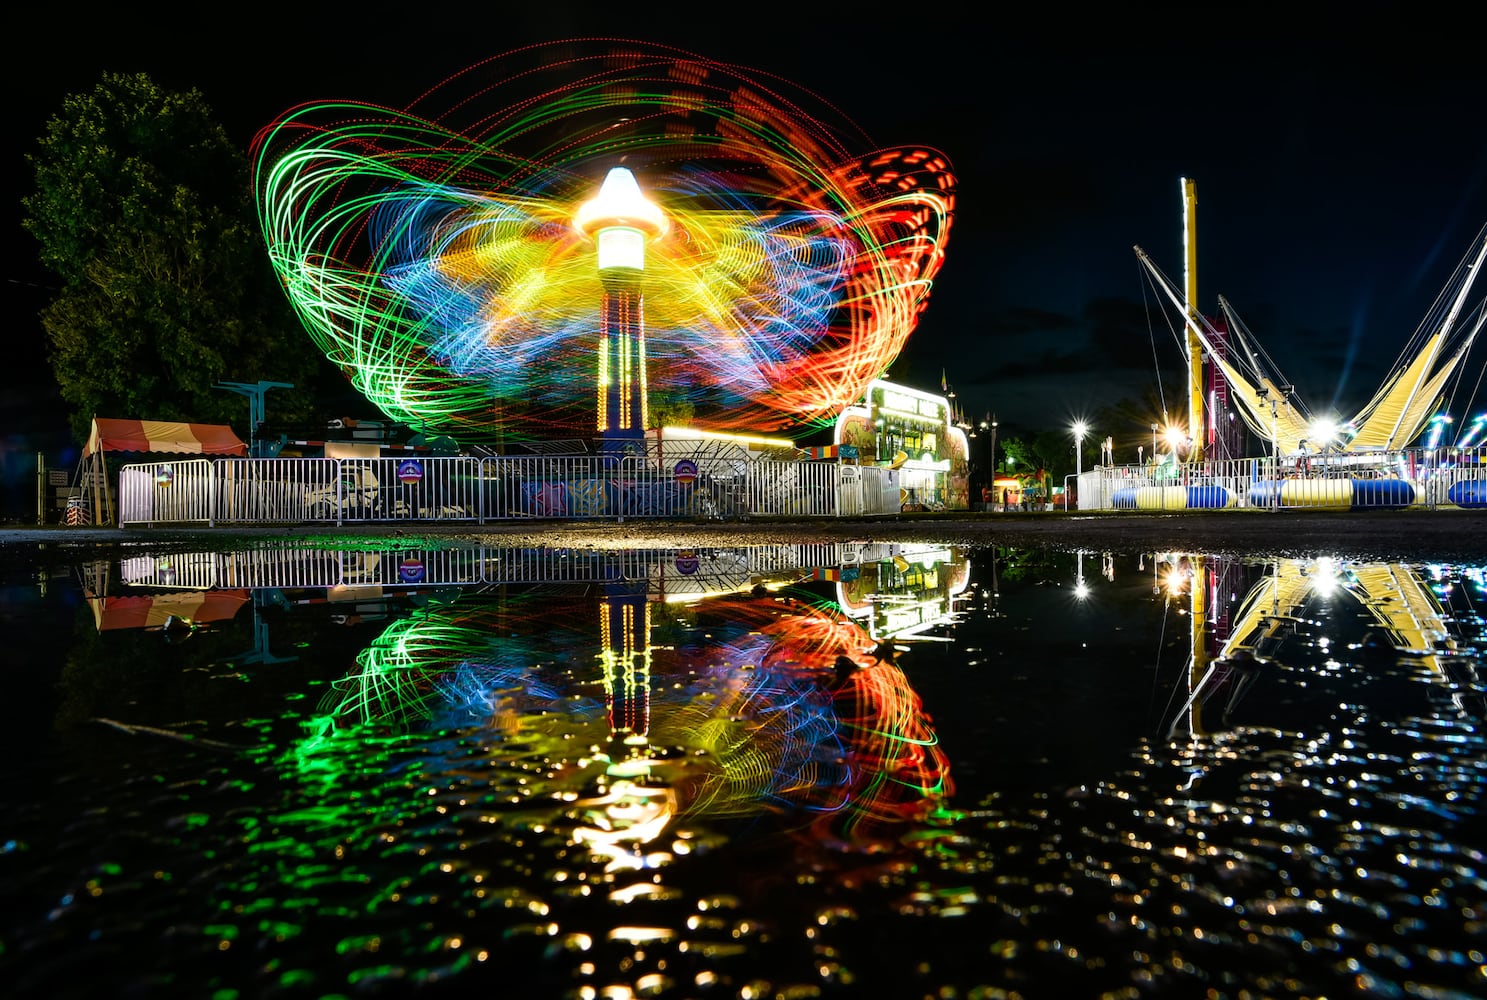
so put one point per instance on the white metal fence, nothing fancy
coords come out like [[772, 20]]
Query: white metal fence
[[711, 484], [1428, 477]]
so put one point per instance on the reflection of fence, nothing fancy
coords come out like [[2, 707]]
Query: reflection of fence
[[670, 570], [695, 483], [1418, 477]]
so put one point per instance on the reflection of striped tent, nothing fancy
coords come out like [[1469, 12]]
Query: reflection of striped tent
[[154, 610]]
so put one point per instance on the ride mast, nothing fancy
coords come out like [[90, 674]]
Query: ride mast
[[1196, 435]]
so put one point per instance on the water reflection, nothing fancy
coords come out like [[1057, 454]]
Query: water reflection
[[812, 770], [1231, 646], [643, 713]]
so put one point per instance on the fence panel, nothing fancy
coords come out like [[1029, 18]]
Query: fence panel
[[698, 484], [272, 490], [881, 490], [1323, 481], [166, 493]]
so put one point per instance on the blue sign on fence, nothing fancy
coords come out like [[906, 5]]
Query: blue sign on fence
[[411, 569]]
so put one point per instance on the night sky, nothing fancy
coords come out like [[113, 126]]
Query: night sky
[[1339, 157]]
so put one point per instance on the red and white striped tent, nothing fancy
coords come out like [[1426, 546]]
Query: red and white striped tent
[[163, 435], [147, 436]]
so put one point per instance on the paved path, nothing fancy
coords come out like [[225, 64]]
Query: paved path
[[1413, 535]]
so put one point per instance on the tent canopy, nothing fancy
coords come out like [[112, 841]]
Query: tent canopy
[[153, 610], [163, 435]]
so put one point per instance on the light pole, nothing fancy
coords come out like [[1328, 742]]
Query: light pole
[[1176, 439], [257, 415], [1079, 428], [1153, 442]]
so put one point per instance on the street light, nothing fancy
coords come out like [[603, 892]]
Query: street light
[[1079, 428], [1176, 437]]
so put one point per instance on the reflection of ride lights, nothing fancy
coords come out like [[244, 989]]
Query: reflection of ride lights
[[626, 814], [1325, 577], [1175, 580], [902, 620], [693, 596]]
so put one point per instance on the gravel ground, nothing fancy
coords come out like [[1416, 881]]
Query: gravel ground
[[1450, 535]]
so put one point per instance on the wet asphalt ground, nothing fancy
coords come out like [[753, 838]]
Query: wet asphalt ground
[[1413, 535]]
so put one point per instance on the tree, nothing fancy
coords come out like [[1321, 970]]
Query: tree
[[1019, 453], [143, 209], [1129, 419], [667, 409]]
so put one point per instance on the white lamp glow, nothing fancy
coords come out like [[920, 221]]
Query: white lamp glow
[[621, 220]]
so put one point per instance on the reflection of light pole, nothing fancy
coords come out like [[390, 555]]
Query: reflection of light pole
[[621, 220], [1079, 428]]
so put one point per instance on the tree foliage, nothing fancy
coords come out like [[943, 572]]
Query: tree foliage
[[1129, 419], [143, 208]]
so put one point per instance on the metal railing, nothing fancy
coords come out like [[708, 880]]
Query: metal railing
[[729, 484], [699, 484], [1414, 477]]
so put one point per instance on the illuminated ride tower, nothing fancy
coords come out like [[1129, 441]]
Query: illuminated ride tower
[[621, 221]]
